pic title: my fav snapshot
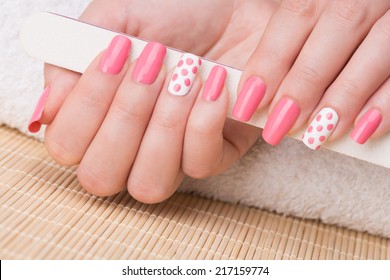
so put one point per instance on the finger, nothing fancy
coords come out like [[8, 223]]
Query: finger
[[106, 165], [279, 46], [158, 161], [206, 152], [83, 111], [62, 81], [203, 144], [356, 83], [374, 119]]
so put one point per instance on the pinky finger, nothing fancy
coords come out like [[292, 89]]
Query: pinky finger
[[374, 119], [203, 141]]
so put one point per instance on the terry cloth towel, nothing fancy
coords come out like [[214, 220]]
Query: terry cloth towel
[[288, 179]]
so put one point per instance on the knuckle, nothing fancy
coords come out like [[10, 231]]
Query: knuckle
[[92, 179], [349, 88], [60, 152], [88, 180], [167, 120], [273, 55], [301, 8], [196, 171], [126, 113], [145, 191], [93, 101], [309, 74], [201, 126], [350, 12]]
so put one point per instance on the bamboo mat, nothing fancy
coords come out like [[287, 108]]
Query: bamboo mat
[[45, 214]]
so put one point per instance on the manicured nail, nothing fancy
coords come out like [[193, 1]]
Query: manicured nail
[[149, 63], [281, 121], [320, 128], [34, 125], [214, 83], [366, 126], [116, 55], [184, 75], [249, 98]]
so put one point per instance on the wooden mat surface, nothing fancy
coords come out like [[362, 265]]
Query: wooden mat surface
[[45, 214]]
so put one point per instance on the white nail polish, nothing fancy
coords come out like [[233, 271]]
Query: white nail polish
[[320, 128], [184, 75]]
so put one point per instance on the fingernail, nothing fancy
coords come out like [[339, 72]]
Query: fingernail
[[366, 126], [249, 98], [116, 55], [34, 125], [184, 75], [320, 128], [149, 63], [214, 83], [281, 121]]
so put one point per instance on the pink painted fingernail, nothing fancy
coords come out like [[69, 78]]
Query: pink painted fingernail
[[366, 126], [214, 84], [249, 98], [184, 74], [116, 55], [281, 121], [149, 63], [34, 125], [320, 128]]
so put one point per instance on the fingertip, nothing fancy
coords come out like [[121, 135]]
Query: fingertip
[[96, 181], [147, 193]]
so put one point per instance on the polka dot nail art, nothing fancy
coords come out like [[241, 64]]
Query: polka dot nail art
[[184, 74], [320, 128]]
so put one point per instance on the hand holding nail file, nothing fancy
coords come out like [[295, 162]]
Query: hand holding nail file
[[71, 44]]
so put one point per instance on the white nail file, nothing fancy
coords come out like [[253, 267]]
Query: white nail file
[[72, 44]]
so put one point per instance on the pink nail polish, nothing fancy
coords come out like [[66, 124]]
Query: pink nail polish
[[34, 125], [281, 121], [149, 63], [366, 126], [214, 84], [249, 99], [116, 55]]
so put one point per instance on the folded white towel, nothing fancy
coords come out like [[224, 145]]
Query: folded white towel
[[289, 179]]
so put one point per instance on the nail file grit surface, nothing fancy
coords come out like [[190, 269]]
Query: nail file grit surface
[[72, 44]]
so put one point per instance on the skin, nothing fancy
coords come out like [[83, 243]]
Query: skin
[[340, 71], [171, 136]]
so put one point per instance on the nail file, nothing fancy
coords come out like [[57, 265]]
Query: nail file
[[72, 44]]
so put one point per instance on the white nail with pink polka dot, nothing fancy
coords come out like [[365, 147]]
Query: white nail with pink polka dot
[[184, 75], [320, 128]]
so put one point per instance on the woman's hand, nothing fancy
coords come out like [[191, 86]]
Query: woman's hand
[[123, 129]]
